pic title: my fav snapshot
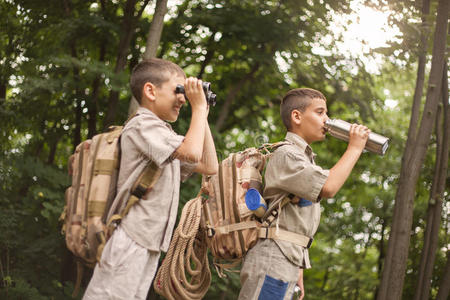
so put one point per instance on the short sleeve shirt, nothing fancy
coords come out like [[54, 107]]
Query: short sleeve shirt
[[151, 220], [291, 170]]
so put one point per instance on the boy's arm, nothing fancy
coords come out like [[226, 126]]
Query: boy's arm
[[208, 164], [300, 284], [341, 170], [191, 149]]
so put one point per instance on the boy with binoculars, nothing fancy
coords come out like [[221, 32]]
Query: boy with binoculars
[[130, 257]]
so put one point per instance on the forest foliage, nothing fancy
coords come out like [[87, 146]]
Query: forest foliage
[[64, 69]]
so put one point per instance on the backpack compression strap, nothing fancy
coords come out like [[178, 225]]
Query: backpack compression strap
[[283, 235], [267, 232]]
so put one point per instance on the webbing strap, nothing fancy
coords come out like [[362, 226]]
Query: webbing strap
[[230, 267], [113, 219], [132, 201], [105, 166], [115, 132], [77, 286], [274, 212], [221, 189], [237, 226], [101, 238], [77, 219], [283, 235], [96, 208], [146, 180], [237, 218]]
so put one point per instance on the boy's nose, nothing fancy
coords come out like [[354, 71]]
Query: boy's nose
[[181, 98]]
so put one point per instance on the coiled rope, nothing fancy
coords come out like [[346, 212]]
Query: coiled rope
[[187, 252]]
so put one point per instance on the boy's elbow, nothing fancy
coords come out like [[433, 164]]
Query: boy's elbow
[[327, 192], [213, 169], [191, 156], [207, 169], [211, 164]]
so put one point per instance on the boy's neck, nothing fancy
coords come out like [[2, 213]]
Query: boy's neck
[[146, 104], [148, 107], [299, 133]]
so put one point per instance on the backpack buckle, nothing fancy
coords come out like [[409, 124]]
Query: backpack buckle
[[210, 232], [139, 191]]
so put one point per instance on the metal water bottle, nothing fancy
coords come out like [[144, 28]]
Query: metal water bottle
[[340, 129]]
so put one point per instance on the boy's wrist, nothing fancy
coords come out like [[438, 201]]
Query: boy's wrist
[[200, 109], [354, 150], [200, 112]]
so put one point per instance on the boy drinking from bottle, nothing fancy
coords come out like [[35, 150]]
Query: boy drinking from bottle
[[274, 266]]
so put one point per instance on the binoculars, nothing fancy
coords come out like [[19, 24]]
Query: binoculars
[[340, 129], [209, 95]]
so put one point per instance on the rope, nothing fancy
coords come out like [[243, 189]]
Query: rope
[[187, 252]]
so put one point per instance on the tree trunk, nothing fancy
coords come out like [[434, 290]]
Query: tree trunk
[[78, 112], [156, 28], [397, 253], [52, 149], [209, 55], [431, 237], [3, 91], [153, 38], [77, 109], [93, 104], [444, 287], [382, 254], [128, 28], [418, 92], [325, 278], [225, 109]]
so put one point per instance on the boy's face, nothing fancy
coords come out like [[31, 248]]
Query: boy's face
[[310, 124], [167, 103]]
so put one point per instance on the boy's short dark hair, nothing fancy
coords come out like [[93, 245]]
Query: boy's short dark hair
[[297, 99], [154, 70]]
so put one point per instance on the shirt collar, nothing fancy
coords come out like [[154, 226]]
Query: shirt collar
[[145, 111], [300, 143]]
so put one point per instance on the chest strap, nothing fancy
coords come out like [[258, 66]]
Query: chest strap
[[283, 235], [267, 232]]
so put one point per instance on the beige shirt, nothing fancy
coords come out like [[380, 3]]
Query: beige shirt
[[150, 221], [291, 170]]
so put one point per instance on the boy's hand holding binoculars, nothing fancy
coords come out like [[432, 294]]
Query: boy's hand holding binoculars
[[209, 94], [194, 93]]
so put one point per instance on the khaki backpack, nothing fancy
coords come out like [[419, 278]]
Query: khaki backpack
[[94, 168], [231, 227]]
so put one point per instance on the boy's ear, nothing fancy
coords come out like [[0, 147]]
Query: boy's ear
[[296, 117], [149, 91]]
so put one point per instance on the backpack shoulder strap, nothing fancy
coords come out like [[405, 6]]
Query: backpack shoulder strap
[[130, 118], [268, 148], [145, 181]]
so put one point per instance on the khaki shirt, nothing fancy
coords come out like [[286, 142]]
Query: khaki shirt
[[151, 220], [291, 170]]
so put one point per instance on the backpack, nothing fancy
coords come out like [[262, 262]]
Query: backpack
[[232, 229], [94, 168]]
